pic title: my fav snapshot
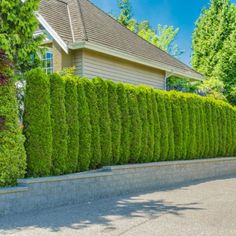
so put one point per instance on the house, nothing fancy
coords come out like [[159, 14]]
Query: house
[[83, 36]]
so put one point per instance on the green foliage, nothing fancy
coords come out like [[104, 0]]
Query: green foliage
[[214, 44], [157, 127], [105, 122], [17, 25], [135, 132], [59, 125], [125, 123], [37, 124], [84, 156], [12, 153], [164, 144], [177, 126], [115, 117], [170, 131], [162, 37], [97, 123], [151, 126], [142, 105], [90, 92], [71, 105]]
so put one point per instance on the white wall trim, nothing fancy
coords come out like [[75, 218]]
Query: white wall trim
[[150, 63], [52, 32]]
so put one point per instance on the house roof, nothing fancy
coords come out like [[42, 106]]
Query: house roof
[[77, 21]]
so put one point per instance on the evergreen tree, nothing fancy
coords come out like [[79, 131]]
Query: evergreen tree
[[84, 157], [59, 125], [115, 117], [105, 122], [90, 92], [71, 105], [125, 123]]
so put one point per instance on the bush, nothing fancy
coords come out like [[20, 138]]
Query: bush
[[84, 157], [71, 105], [150, 118], [37, 124], [164, 144], [59, 125], [156, 128], [115, 118], [105, 123], [125, 124], [12, 153], [135, 132], [142, 104], [90, 92]]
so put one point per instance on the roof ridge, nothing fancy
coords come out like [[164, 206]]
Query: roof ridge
[[82, 20], [174, 58]]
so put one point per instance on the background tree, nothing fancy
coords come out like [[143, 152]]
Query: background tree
[[214, 43], [17, 25], [162, 37]]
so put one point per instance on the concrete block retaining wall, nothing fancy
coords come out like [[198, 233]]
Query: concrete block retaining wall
[[50, 192]]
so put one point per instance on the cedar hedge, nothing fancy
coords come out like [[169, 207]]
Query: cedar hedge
[[85, 124], [59, 125], [37, 124], [12, 153]]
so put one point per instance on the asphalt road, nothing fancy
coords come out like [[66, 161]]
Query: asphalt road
[[206, 208]]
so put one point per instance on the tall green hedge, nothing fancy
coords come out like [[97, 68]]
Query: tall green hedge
[[104, 121], [125, 123], [37, 124], [59, 125], [12, 153], [135, 131], [92, 123], [90, 92], [84, 157], [115, 118], [71, 105]]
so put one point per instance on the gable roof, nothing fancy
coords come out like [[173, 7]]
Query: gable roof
[[80, 21]]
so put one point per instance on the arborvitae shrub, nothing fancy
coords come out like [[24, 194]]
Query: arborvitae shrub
[[90, 92], [71, 105], [59, 124], [135, 132], [150, 118], [177, 126], [84, 156], [192, 145], [156, 128], [164, 144], [185, 128], [12, 153], [215, 130], [125, 123], [115, 118], [105, 123], [142, 104], [202, 127], [171, 143], [37, 124]]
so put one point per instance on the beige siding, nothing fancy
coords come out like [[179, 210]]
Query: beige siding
[[91, 64], [78, 62]]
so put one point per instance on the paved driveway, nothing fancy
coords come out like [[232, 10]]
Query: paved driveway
[[207, 208]]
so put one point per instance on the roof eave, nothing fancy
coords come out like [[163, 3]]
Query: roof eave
[[157, 65], [52, 32]]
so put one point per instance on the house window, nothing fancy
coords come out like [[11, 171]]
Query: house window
[[48, 62]]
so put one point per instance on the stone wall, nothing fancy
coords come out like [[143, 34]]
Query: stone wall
[[50, 192]]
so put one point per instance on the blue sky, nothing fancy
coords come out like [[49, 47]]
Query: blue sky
[[179, 13]]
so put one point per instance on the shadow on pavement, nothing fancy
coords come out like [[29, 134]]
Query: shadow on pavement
[[99, 212]]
